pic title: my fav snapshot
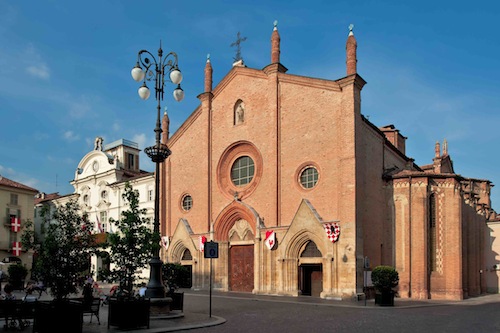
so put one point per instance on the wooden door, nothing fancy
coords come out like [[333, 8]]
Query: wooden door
[[241, 268]]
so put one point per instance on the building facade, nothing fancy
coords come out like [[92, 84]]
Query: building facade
[[99, 184], [16, 202], [302, 193]]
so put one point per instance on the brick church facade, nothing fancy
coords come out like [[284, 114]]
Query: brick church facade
[[275, 157]]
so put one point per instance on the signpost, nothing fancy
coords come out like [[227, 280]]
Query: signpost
[[366, 265], [211, 251]]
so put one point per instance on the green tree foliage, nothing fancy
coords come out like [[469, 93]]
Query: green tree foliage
[[28, 240], [64, 253], [384, 278], [130, 246], [174, 276]]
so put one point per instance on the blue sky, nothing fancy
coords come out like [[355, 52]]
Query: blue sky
[[431, 66]]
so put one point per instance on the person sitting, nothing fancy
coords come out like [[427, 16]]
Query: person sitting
[[8, 289], [40, 287], [87, 293]]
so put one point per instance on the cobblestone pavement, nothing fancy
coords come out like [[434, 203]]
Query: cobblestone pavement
[[189, 319]]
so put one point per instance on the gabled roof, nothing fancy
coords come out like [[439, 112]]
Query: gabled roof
[[12, 184], [46, 197]]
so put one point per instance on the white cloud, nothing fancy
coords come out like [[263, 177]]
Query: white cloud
[[70, 136], [41, 71], [18, 177], [141, 140], [35, 66], [80, 109], [6, 171]]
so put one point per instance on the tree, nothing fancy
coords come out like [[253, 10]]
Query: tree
[[64, 252], [130, 246]]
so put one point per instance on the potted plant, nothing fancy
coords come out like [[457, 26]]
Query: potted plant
[[63, 256], [384, 279], [174, 276], [17, 275], [130, 251]]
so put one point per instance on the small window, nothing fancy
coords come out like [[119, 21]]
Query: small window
[[309, 177], [86, 199], [13, 199], [150, 195], [187, 255], [187, 202], [103, 221], [104, 195], [130, 161], [242, 171]]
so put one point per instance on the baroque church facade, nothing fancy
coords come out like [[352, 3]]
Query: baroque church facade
[[99, 184], [304, 205]]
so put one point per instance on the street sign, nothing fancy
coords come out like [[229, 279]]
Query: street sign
[[211, 250]]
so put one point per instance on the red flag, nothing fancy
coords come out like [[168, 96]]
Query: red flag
[[15, 224], [270, 240], [203, 240], [16, 248]]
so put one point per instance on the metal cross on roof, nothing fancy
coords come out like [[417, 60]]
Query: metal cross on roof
[[237, 43]]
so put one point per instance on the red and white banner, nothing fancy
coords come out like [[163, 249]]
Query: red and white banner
[[270, 240], [332, 231], [165, 242], [202, 240], [15, 224], [16, 248], [99, 225]]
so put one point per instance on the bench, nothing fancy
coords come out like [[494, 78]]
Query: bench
[[17, 313], [91, 308]]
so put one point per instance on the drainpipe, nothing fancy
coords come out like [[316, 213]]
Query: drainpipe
[[410, 240]]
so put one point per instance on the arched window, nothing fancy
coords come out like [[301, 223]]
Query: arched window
[[311, 251], [187, 255]]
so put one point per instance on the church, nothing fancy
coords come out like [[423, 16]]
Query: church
[[307, 205]]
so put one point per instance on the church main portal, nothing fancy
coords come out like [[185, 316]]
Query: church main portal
[[241, 274]]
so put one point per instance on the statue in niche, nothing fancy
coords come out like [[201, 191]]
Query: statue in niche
[[239, 114]]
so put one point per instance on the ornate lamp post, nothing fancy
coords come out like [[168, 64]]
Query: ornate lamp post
[[164, 69]]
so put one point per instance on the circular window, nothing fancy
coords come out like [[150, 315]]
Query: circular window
[[242, 171], [187, 202], [309, 177], [239, 170]]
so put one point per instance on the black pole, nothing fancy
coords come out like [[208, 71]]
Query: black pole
[[210, 306], [155, 288]]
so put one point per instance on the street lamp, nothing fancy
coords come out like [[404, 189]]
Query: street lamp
[[165, 69]]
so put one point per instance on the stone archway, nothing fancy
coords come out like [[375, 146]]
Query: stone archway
[[235, 229]]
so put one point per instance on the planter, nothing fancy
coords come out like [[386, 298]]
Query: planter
[[51, 315], [177, 300], [385, 298], [128, 313]]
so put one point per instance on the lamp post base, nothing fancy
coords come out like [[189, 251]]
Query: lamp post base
[[155, 287]]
